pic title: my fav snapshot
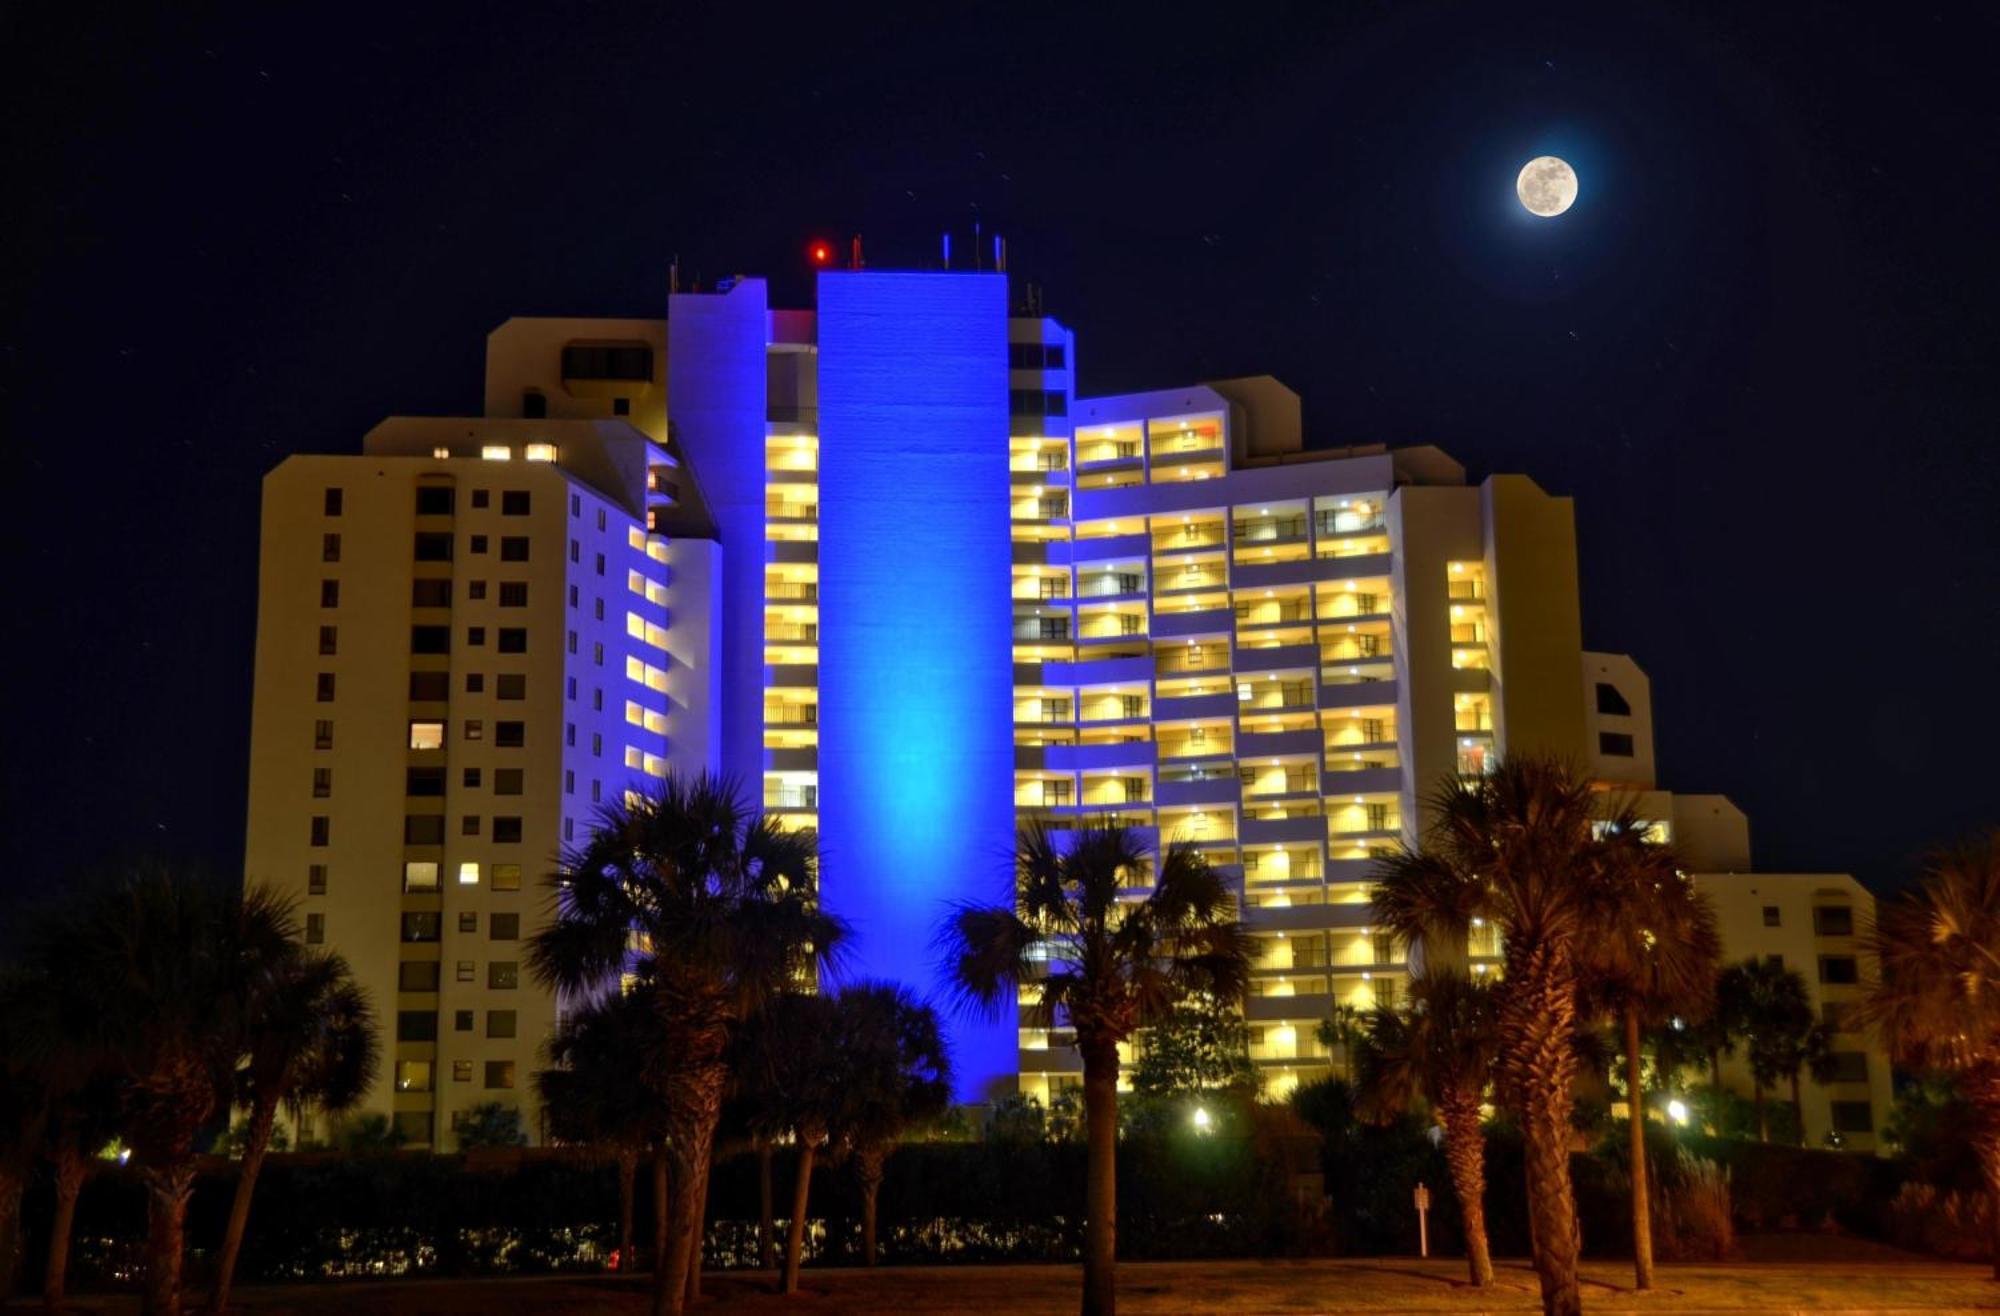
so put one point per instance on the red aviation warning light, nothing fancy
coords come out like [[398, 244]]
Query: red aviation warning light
[[820, 253]]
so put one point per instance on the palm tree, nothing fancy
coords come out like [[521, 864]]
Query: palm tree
[[1936, 999], [311, 1042], [1110, 966], [717, 909], [1516, 847], [1441, 1048], [898, 1075], [162, 970], [23, 1108], [1772, 1012], [799, 1064], [596, 1092], [1345, 1026], [1654, 961]]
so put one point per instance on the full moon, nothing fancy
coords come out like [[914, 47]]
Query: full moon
[[1547, 186]]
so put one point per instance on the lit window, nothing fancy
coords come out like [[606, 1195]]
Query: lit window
[[426, 735], [540, 452], [634, 714], [496, 452], [468, 874], [420, 875], [440, 453]]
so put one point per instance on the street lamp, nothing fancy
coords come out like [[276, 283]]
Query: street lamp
[[1203, 1122]]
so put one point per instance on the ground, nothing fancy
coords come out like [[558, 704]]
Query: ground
[[1800, 1274]]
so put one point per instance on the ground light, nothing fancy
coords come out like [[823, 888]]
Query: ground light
[[1677, 1111], [1203, 1122]]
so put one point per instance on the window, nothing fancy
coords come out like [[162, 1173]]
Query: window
[[1771, 916], [461, 1021], [504, 927], [534, 404], [1853, 1117], [1838, 970], [621, 406], [430, 639], [322, 830], [470, 779], [423, 781], [511, 685], [1037, 402], [1034, 356], [329, 640], [1617, 744], [423, 829], [420, 875], [431, 547], [501, 1023], [506, 877], [482, 497], [430, 687], [1833, 921], [499, 1074], [417, 976], [514, 502], [475, 636], [513, 639], [1833, 1014], [468, 873], [507, 781], [507, 831], [479, 543], [469, 825], [315, 929], [513, 593], [1848, 1067], [323, 733], [316, 879], [323, 687], [429, 592], [1610, 701], [468, 922], [416, 1025], [474, 728], [510, 735], [461, 1071], [434, 500], [607, 362], [475, 682], [600, 564], [333, 497], [476, 589], [329, 548], [413, 1075], [513, 548], [465, 970], [322, 783], [422, 925], [329, 594]]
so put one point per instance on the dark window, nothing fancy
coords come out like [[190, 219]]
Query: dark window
[[433, 500], [461, 1070], [1838, 970], [1034, 356], [329, 548], [499, 1074], [479, 543], [503, 975], [510, 735], [329, 640], [433, 548], [471, 779], [430, 687], [468, 922], [423, 781], [507, 831], [634, 363], [430, 593], [1853, 1117], [600, 564], [316, 880], [513, 639], [469, 825], [1038, 402], [422, 926], [506, 877], [329, 594], [512, 685], [504, 927], [1610, 701], [513, 548], [621, 406], [1833, 920], [514, 502], [461, 1021], [417, 976], [1848, 1067], [323, 734], [315, 929], [322, 783], [500, 1023], [423, 829], [513, 593], [333, 502], [323, 688], [475, 636], [1771, 916], [507, 781], [1615, 743], [464, 971], [475, 682], [322, 830], [476, 589], [482, 497], [430, 639], [534, 404], [416, 1025]]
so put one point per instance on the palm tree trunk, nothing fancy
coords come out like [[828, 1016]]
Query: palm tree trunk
[[168, 1188], [868, 1168], [1642, 1205], [1763, 1120], [628, 1174], [662, 1209], [1465, 1154], [795, 1233], [698, 1230], [1538, 1021], [257, 1140], [1100, 1204], [693, 1110], [70, 1168], [766, 1224], [1798, 1109]]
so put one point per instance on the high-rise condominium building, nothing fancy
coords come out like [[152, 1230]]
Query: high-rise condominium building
[[882, 565]]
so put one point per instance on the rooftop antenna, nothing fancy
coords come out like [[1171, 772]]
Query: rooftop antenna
[[975, 246], [947, 249], [674, 274], [999, 253], [854, 260]]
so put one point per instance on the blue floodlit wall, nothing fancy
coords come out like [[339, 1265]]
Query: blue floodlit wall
[[715, 394], [916, 755]]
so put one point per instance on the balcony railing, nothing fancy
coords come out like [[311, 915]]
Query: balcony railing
[[791, 797], [1347, 523]]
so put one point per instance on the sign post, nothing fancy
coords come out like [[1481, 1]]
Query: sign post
[[1423, 1198]]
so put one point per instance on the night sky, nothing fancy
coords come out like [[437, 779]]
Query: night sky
[[1760, 351]]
